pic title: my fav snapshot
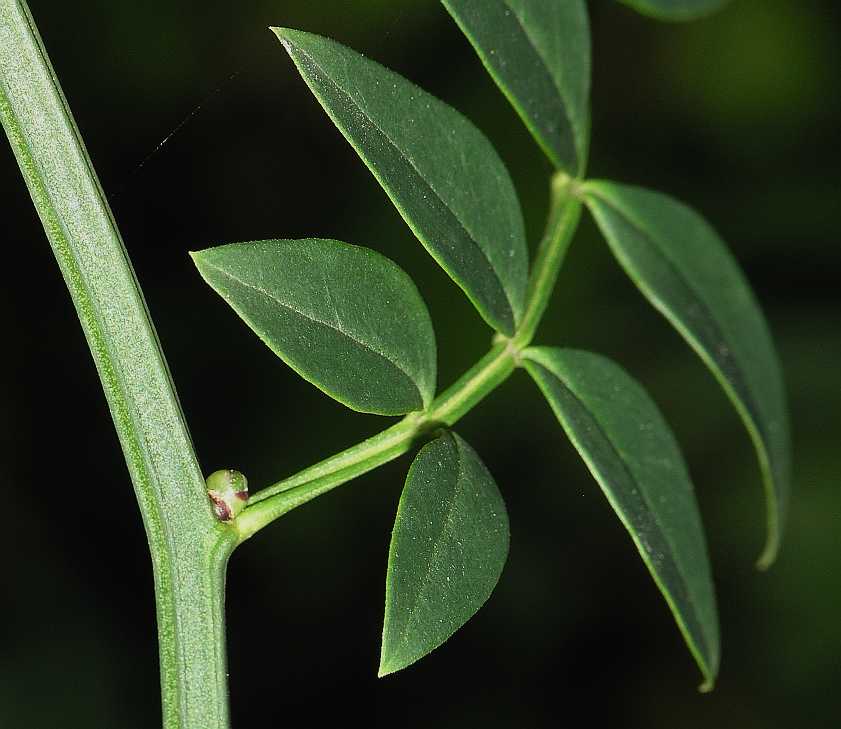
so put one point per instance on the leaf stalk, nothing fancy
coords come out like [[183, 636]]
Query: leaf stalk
[[564, 214], [479, 381], [274, 501]]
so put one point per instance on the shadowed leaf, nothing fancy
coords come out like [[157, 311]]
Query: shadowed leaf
[[441, 173], [632, 453], [685, 270], [538, 53]]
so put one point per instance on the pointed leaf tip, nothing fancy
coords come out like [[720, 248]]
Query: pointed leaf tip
[[448, 548], [282, 36], [437, 168], [633, 455], [685, 270], [385, 669], [345, 318]]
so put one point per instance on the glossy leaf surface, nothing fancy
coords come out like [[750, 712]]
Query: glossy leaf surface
[[676, 9], [538, 52], [441, 173], [345, 318], [448, 548], [685, 270], [631, 452]]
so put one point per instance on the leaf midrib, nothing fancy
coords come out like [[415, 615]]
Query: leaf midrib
[[468, 234], [624, 467], [445, 522], [316, 320], [564, 98], [740, 385]]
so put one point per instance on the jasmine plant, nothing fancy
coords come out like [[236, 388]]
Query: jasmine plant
[[352, 323]]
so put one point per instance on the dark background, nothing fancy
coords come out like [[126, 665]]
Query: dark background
[[737, 115]]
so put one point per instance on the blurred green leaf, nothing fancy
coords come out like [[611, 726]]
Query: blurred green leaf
[[632, 453], [538, 53], [441, 173], [676, 9], [345, 318], [685, 270], [448, 548]]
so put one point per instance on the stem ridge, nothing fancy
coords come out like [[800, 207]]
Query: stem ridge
[[187, 545]]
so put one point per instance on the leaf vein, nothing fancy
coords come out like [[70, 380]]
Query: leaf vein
[[411, 163], [446, 526], [733, 374], [563, 97], [316, 320], [624, 467]]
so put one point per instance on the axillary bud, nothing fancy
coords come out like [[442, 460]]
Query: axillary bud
[[228, 490]]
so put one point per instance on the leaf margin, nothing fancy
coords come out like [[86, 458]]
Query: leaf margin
[[579, 127], [538, 357], [776, 489], [515, 298], [653, 9], [461, 448], [202, 259]]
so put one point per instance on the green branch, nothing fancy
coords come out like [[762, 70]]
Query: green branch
[[564, 213], [267, 505], [483, 378], [189, 547]]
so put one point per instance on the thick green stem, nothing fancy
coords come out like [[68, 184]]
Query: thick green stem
[[189, 546]]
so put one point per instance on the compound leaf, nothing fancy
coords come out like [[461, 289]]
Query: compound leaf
[[538, 52], [685, 270], [632, 453], [345, 318], [448, 548], [676, 9], [442, 174]]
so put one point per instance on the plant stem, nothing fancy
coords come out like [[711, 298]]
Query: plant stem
[[189, 547], [564, 214], [485, 376], [270, 503]]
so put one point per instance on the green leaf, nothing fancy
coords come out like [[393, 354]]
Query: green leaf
[[448, 548], [632, 453], [345, 318], [685, 270], [441, 173], [676, 9], [538, 53]]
